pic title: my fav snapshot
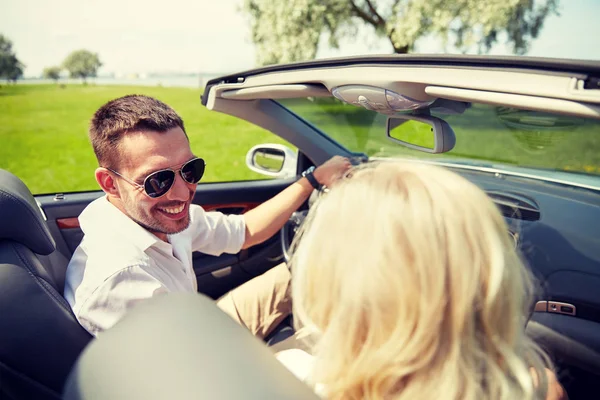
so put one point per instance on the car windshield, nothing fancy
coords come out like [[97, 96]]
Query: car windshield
[[546, 145]]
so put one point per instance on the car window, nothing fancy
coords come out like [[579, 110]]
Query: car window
[[543, 143], [44, 134]]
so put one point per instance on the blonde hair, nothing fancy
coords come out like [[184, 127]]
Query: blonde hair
[[408, 275]]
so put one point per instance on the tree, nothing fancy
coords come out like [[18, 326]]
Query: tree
[[82, 64], [11, 68], [286, 31], [52, 73]]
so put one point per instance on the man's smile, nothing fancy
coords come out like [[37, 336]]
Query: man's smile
[[174, 212]]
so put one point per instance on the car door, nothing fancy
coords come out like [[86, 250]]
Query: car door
[[216, 274]]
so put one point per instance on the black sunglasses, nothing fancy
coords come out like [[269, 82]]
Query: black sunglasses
[[158, 183]]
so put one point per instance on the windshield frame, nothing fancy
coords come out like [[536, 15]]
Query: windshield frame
[[562, 177]]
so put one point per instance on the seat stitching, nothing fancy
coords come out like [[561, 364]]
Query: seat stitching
[[39, 280]]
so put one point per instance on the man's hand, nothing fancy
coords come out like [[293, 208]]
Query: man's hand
[[332, 170], [265, 220]]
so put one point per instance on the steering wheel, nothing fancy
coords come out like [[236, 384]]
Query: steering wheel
[[288, 232], [292, 226]]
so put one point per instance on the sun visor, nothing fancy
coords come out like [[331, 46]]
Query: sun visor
[[276, 92]]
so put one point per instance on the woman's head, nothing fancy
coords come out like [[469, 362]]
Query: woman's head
[[410, 278]]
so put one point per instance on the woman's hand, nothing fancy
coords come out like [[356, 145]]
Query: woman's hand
[[555, 389]]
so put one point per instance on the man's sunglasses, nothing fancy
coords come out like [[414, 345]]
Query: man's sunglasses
[[158, 183]]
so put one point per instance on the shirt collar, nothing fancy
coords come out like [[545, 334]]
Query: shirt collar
[[101, 217]]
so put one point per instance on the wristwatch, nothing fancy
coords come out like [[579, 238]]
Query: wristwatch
[[310, 176]]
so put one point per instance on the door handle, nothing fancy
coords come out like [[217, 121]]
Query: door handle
[[555, 307]]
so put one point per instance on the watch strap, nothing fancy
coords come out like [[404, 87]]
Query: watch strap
[[308, 174]]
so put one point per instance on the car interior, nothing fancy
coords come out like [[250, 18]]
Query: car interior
[[228, 363], [555, 221]]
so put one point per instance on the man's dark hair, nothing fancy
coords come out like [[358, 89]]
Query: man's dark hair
[[130, 113]]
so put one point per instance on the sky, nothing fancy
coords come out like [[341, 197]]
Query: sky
[[212, 36]]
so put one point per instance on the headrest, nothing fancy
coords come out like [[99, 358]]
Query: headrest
[[180, 346], [20, 217]]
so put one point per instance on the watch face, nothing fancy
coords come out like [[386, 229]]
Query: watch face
[[308, 171]]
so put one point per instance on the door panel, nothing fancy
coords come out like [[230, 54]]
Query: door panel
[[61, 211], [216, 275], [558, 233], [559, 236]]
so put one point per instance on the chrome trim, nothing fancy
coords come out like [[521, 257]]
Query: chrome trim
[[41, 210], [515, 238], [495, 171], [220, 273]]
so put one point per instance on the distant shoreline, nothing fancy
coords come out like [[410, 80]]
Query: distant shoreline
[[191, 81]]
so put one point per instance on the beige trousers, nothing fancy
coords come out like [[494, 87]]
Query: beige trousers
[[261, 303]]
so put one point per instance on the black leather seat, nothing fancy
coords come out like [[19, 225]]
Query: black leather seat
[[40, 339]]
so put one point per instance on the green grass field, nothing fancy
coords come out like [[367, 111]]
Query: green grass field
[[570, 144], [43, 134]]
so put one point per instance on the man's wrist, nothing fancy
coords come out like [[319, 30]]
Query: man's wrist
[[310, 177], [306, 186], [318, 174]]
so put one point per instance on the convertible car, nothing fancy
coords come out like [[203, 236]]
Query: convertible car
[[526, 130]]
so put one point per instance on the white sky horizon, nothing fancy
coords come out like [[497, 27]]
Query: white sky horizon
[[206, 36]]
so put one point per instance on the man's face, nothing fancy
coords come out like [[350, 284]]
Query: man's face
[[140, 155]]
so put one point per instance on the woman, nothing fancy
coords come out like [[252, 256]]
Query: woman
[[407, 277]]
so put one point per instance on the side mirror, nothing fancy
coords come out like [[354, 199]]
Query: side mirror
[[421, 132], [275, 160]]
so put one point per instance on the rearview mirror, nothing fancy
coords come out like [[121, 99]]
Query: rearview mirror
[[421, 132], [275, 160]]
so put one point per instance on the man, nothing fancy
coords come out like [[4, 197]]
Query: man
[[139, 237]]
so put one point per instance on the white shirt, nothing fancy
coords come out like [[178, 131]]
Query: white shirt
[[119, 263]]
